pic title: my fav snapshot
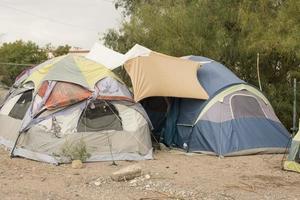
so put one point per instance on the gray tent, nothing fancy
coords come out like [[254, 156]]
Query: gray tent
[[54, 120]]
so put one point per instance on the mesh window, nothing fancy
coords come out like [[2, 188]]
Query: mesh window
[[20, 108], [99, 116], [245, 106]]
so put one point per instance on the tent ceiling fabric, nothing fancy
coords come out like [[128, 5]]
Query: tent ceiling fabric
[[157, 74]]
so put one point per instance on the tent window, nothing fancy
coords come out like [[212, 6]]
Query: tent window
[[99, 116], [245, 106], [22, 105]]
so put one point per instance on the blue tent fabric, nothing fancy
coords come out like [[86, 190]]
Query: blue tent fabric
[[213, 76], [225, 137], [235, 135], [170, 131]]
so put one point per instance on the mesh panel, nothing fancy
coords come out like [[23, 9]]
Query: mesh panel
[[245, 106], [20, 108], [99, 116]]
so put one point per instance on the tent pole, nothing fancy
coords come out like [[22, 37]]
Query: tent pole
[[294, 128], [257, 69], [15, 145]]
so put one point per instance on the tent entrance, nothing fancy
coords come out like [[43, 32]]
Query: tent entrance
[[99, 116], [157, 109]]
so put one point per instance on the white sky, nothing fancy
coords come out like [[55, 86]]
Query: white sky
[[78, 23]]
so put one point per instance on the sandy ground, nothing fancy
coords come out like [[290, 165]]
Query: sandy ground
[[173, 175]]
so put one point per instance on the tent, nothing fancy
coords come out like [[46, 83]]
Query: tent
[[292, 163], [237, 118], [69, 106], [199, 105]]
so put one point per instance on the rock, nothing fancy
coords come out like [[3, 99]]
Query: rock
[[77, 164], [147, 176], [127, 173], [147, 187], [97, 183], [133, 183]]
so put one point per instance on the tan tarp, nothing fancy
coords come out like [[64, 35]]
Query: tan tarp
[[161, 75]]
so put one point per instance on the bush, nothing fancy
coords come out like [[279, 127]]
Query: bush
[[75, 151]]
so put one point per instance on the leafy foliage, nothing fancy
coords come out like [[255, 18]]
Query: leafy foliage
[[76, 150], [28, 54], [231, 32], [19, 52]]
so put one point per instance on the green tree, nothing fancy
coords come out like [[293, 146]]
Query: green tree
[[61, 50], [19, 52], [231, 32]]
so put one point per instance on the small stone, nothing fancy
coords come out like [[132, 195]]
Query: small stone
[[97, 183], [77, 164], [133, 181], [127, 173], [43, 179], [147, 176]]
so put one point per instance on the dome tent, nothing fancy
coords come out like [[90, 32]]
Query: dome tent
[[70, 99], [237, 118]]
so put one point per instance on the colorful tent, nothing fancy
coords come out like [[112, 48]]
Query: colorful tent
[[237, 119], [292, 163], [56, 107]]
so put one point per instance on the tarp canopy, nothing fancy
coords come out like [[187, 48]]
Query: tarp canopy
[[105, 56], [156, 74], [152, 73]]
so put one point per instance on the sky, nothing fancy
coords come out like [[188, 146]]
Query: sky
[[79, 23]]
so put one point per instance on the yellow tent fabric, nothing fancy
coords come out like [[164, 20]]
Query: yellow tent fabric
[[292, 166], [161, 75], [71, 68]]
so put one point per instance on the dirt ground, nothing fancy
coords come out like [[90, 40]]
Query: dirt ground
[[173, 175]]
